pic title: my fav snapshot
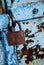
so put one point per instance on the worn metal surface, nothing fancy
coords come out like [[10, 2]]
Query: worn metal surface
[[33, 28], [34, 36]]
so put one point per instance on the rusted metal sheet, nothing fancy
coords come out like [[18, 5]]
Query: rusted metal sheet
[[34, 37]]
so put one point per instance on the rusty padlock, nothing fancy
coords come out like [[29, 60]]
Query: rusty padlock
[[16, 37]]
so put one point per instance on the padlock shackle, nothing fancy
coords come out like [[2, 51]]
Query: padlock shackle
[[10, 27], [19, 25]]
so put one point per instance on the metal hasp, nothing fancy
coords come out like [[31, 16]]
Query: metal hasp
[[25, 11], [29, 11]]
